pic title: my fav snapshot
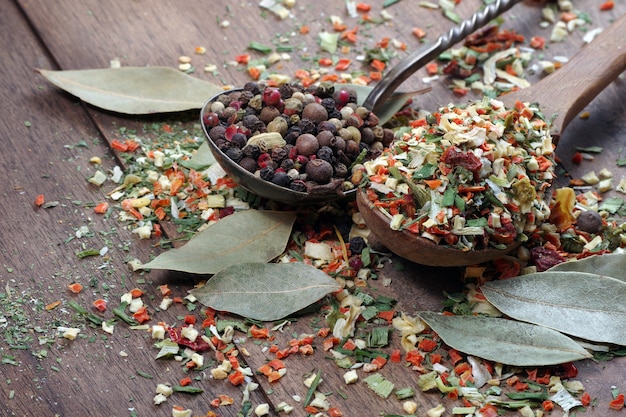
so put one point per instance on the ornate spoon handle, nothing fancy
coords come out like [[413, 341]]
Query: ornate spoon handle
[[405, 68]]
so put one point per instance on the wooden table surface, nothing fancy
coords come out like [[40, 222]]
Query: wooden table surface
[[48, 138]]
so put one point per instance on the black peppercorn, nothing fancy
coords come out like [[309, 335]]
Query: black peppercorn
[[298, 185], [217, 132], [281, 178], [278, 154], [307, 126], [287, 164], [326, 153], [234, 153], [238, 140], [249, 164], [267, 173], [319, 171], [252, 151]]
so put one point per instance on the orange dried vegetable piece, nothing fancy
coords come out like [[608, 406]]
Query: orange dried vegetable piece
[[379, 361], [254, 73], [136, 293], [101, 208], [119, 146], [585, 399], [334, 412], [343, 64], [39, 200], [165, 290], [304, 29], [547, 405], [363, 7], [52, 305], [100, 305], [419, 33], [617, 403], [141, 315], [427, 345], [378, 65], [350, 35], [273, 376], [607, 5], [259, 333], [236, 378], [185, 381], [76, 287]]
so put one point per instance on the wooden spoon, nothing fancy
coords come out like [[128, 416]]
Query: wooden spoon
[[563, 94]]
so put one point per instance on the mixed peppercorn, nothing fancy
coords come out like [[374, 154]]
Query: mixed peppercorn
[[306, 140]]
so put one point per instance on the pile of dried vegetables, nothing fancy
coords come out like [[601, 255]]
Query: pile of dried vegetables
[[469, 177]]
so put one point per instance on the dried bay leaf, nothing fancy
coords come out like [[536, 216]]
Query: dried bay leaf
[[588, 306], [265, 292], [135, 90], [506, 341], [246, 236], [610, 265]]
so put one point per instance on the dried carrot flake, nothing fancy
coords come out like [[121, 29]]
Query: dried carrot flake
[[52, 305], [76, 288], [39, 200]]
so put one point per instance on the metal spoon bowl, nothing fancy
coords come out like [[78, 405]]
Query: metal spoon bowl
[[563, 94], [257, 185]]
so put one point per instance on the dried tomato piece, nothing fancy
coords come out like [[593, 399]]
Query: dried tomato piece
[[466, 159], [545, 258], [198, 345]]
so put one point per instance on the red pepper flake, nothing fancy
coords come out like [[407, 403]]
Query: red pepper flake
[[577, 158], [198, 345], [39, 200], [617, 403]]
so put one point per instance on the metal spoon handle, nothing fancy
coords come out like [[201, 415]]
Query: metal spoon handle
[[405, 68]]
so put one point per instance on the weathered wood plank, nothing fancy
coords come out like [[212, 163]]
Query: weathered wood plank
[[88, 34]]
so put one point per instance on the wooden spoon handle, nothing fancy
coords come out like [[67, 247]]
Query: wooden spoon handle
[[567, 91]]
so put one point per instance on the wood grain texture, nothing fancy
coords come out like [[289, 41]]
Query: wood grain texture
[[89, 376]]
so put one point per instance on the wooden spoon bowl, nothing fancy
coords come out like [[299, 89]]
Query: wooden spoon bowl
[[563, 94]]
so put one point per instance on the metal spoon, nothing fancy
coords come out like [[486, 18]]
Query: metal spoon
[[564, 94], [405, 68]]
